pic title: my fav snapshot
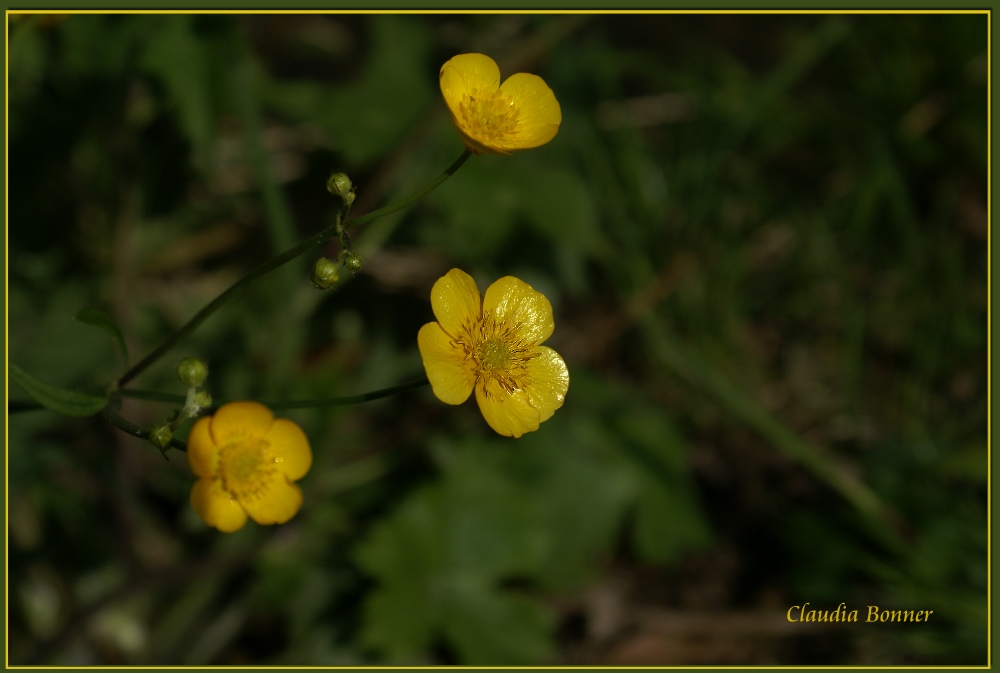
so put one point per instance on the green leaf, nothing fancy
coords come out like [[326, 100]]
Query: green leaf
[[69, 402], [98, 318], [440, 560]]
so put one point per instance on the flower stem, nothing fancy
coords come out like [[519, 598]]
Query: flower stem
[[267, 267], [130, 428], [345, 401], [289, 404], [412, 198]]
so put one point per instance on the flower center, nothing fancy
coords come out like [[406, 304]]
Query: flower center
[[246, 466], [488, 115], [493, 354]]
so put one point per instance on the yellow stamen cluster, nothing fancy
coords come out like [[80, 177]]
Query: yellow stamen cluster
[[489, 115], [500, 356], [247, 466]]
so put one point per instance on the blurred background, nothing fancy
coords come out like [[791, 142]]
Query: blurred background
[[764, 239]]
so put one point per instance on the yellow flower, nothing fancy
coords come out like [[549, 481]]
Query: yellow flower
[[493, 346], [247, 462], [498, 119]]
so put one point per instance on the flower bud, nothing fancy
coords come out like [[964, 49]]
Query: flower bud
[[325, 273], [203, 399], [353, 261], [160, 436], [192, 372], [340, 185]]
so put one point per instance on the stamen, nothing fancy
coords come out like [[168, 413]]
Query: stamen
[[246, 466], [488, 115]]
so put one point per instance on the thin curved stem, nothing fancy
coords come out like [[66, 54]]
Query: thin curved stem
[[412, 198], [345, 401], [152, 395], [267, 267], [131, 428], [289, 404]]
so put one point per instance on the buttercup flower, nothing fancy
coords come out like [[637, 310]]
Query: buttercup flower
[[493, 347], [498, 119], [247, 462]]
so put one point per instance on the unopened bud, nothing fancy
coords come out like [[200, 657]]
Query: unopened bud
[[203, 399], [353, 261], [340, 185], [160, 436], [325, 273], [192, 372]]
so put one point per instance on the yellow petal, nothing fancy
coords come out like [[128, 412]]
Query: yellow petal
[[476, 146], [539, 114], [467, 72], [290, 448], [451, 374], [548, 381], [240, 420], [216, 507], [515, 303], [456, 303], [202, 452], [276, 502], [510, 414]]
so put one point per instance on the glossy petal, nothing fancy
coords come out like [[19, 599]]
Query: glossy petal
[[510, 414], [451, 374], [456, 302], [290, 448], [539, 111], [476, 146], [202, 451], [548, 382], [467, 72], [515, 303], [240, 420], [276, 502], [216, 507]]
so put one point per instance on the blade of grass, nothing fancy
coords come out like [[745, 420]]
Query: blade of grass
[[671, 353]]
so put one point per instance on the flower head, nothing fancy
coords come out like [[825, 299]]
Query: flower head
[[493, 346], [247, 462], [498, 118]]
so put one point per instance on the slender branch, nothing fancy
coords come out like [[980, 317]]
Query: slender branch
[[267, 267], [353, 399], [152, 395], [132, 429], [289, 404], [412, 198]]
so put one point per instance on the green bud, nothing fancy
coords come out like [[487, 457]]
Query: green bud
[[160, 436], [353, 261], [203, 399], [340, 185], [325, 273], [192, 372]]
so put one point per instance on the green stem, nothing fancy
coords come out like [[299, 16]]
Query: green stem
[[152, 395], [344, 401], [412, 198], [267, 267], [130, 428], [289, 404]]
